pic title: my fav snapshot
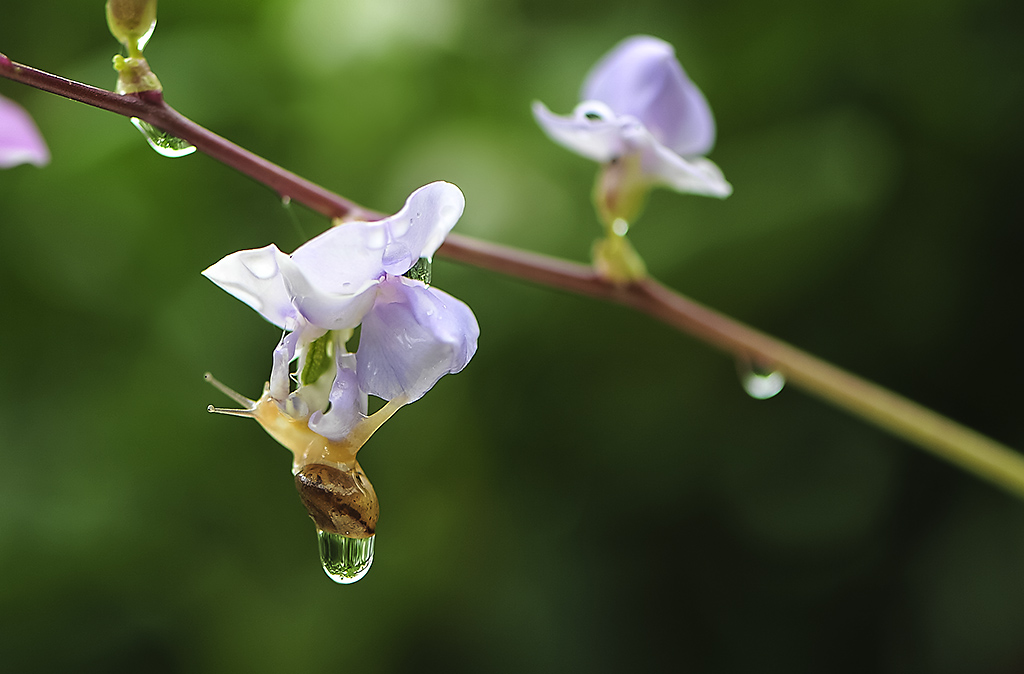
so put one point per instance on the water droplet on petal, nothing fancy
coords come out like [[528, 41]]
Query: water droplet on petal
[[164, 143], [397, 258], [260, 265], [345, 559], [594, 111], [761, 383], [420, 272], [448, 212], [620, 226]]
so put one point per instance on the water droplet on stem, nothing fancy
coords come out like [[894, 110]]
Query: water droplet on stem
[[760, 382], [164, 143], [345, 559]]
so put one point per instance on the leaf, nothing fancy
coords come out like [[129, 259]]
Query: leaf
[[318, 359]]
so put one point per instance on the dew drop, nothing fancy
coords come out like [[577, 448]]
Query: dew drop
[[594, 111], [261, 264], [448, 212], [144, 40], [420, 272], [345, 559], [761, 383], [397, 257], [164, 143]]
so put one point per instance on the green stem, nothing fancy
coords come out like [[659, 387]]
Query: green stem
[[900, 416], [957, 444]]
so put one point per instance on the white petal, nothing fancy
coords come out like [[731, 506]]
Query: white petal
[[20, 140], [418, 230], [323, 308], [597, 133], [595, 138], [413, 336], [330, 278], [695, 175], [642, 78], [345, 258], [254, 276]]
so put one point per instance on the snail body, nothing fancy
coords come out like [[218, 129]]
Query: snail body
[[331, 483]]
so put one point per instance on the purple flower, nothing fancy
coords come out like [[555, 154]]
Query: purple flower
[[639, 104], [412, 334], [20, 141]]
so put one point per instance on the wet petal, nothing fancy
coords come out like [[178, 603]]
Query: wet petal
[[413, 336], [642, 78], [323, 308], [20, 140], [344, 259], [585, 132], [254, 276], [330, 279], [348, 403], [420, 227]]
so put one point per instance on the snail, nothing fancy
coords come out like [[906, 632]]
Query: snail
[[331, 484]]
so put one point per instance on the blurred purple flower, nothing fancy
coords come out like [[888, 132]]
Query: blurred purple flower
[[637, 101], [20, 141], [412, 334]]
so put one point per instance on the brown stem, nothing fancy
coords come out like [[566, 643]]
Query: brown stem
[[904, 418], [151, 107]]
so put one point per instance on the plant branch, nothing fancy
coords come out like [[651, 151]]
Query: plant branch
[[150, 107], [962, 446]]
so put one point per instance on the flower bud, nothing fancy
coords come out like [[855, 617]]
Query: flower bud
[[132, 22]]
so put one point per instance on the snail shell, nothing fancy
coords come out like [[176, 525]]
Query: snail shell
[[339, 501]]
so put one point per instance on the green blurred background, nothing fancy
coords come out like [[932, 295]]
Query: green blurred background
[[595, 492]]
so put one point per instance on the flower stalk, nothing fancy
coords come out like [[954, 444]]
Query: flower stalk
[[132, 22]]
